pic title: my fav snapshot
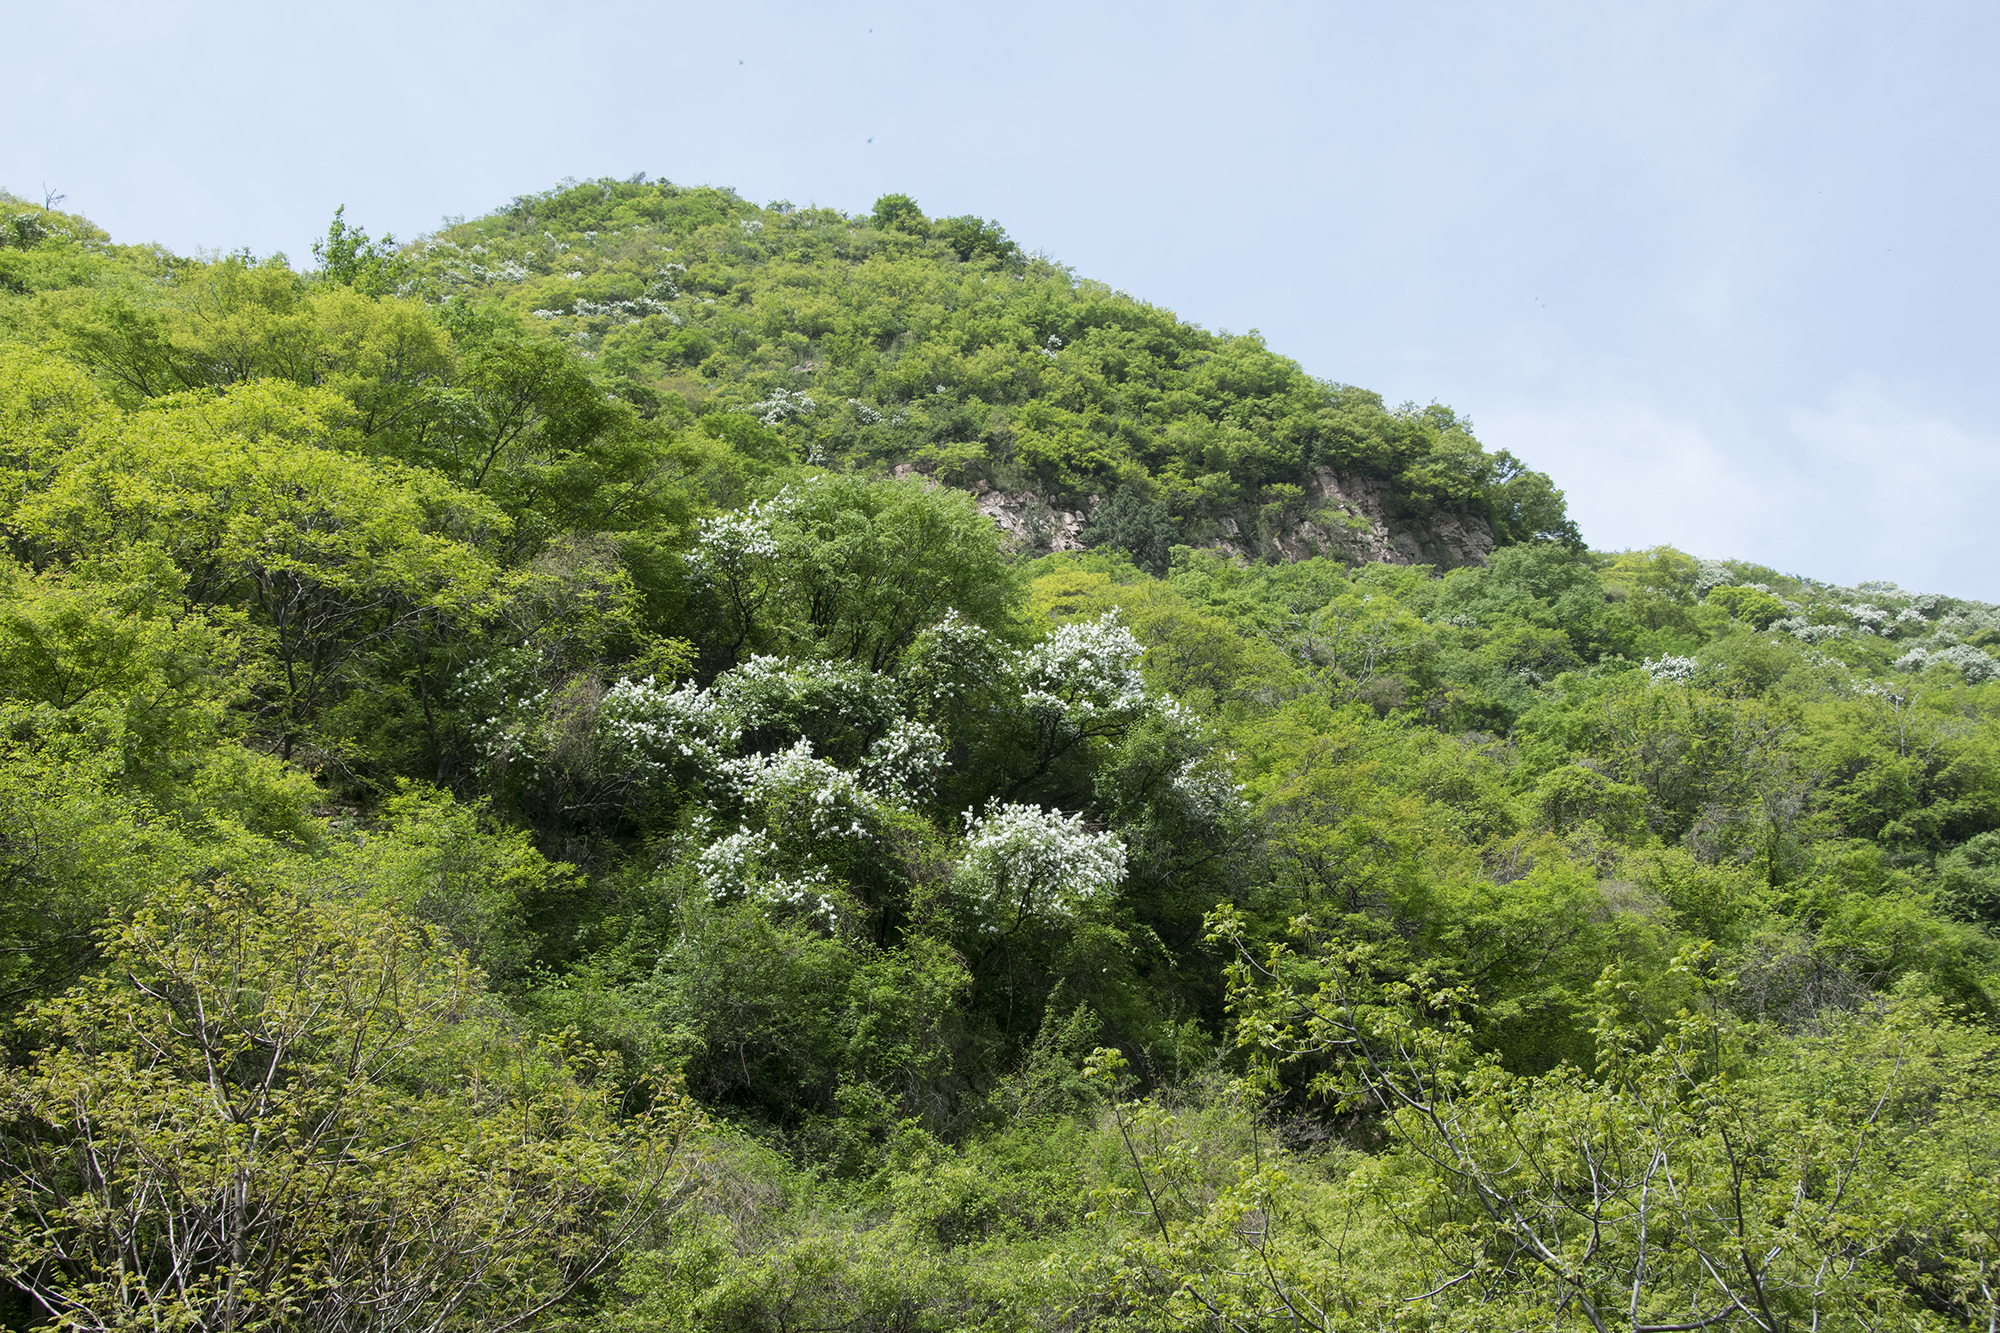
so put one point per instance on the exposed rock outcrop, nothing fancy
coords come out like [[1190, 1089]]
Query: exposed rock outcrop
[[1339, 514], [1031, 523]]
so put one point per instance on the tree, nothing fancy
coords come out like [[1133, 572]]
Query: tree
[[47, 407], [975, 238], [1707, 1177], [1527, 507], [1128, 523], [274, 1112], [842, 568], [899, 212], [349, 258], [1751, 605], [1024, 864], [522, 401], [333, 552]]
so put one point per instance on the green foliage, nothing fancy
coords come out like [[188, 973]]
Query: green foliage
[[1969, 879], [346, 256], [245, 1073], [1127, 523], [838, 567], [42, 249], [246, 494], [1753, 606], [476, 884], [872, 340], [426, 675], [1706, 1173]]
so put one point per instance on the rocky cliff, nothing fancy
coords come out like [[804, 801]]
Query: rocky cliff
[[1340, 514]]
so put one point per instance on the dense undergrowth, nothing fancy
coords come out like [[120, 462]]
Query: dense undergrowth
[[510, 818]]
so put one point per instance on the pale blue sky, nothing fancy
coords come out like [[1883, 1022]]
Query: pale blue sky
[[1727, 271]]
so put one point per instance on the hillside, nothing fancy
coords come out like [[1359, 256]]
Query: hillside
[[892, 338], [645, 762]]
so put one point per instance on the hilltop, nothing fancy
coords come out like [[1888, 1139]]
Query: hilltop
[[893, 339]]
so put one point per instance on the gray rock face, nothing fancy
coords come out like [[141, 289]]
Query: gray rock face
[[1340, 514], [1031, 524]]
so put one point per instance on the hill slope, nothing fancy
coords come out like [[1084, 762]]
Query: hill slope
[[893, 338]]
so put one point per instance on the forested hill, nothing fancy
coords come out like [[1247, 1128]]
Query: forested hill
[[892, 338], [515, 815]]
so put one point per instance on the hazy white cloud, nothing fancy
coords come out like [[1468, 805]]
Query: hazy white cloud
[[1883, 489], [1861, 486], [1635, 474]]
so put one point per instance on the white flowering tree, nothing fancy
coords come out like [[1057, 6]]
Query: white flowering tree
[[798, 766], [948, 664], [1023, 865], [1671, 669], [842, 707], [869, 774], [731, 560], [904, 764], [1081, 684], [817, 782], [683, 733], [1806, 631], [1976, 666], [1151, 760], [1170, 774]]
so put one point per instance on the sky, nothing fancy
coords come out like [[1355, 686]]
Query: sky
[[1725, 271]]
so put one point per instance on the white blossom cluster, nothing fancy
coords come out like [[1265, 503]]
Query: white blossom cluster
[[633, 310], [905, 764], [949, 660], [1677, 670], [507, 736], [1881, 609], [1802, 629], [1202, 785], [1976, 666], [509, 270], [1021, 861], [29, 229], [690, 731], [725, 545], [1967, 621], [659, 731], [818, 797], [1087, 674], [1869, 618], [1711, 574], [739, 865], [1086, 671], [1206, 791], [776, 690], [781, 404]]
